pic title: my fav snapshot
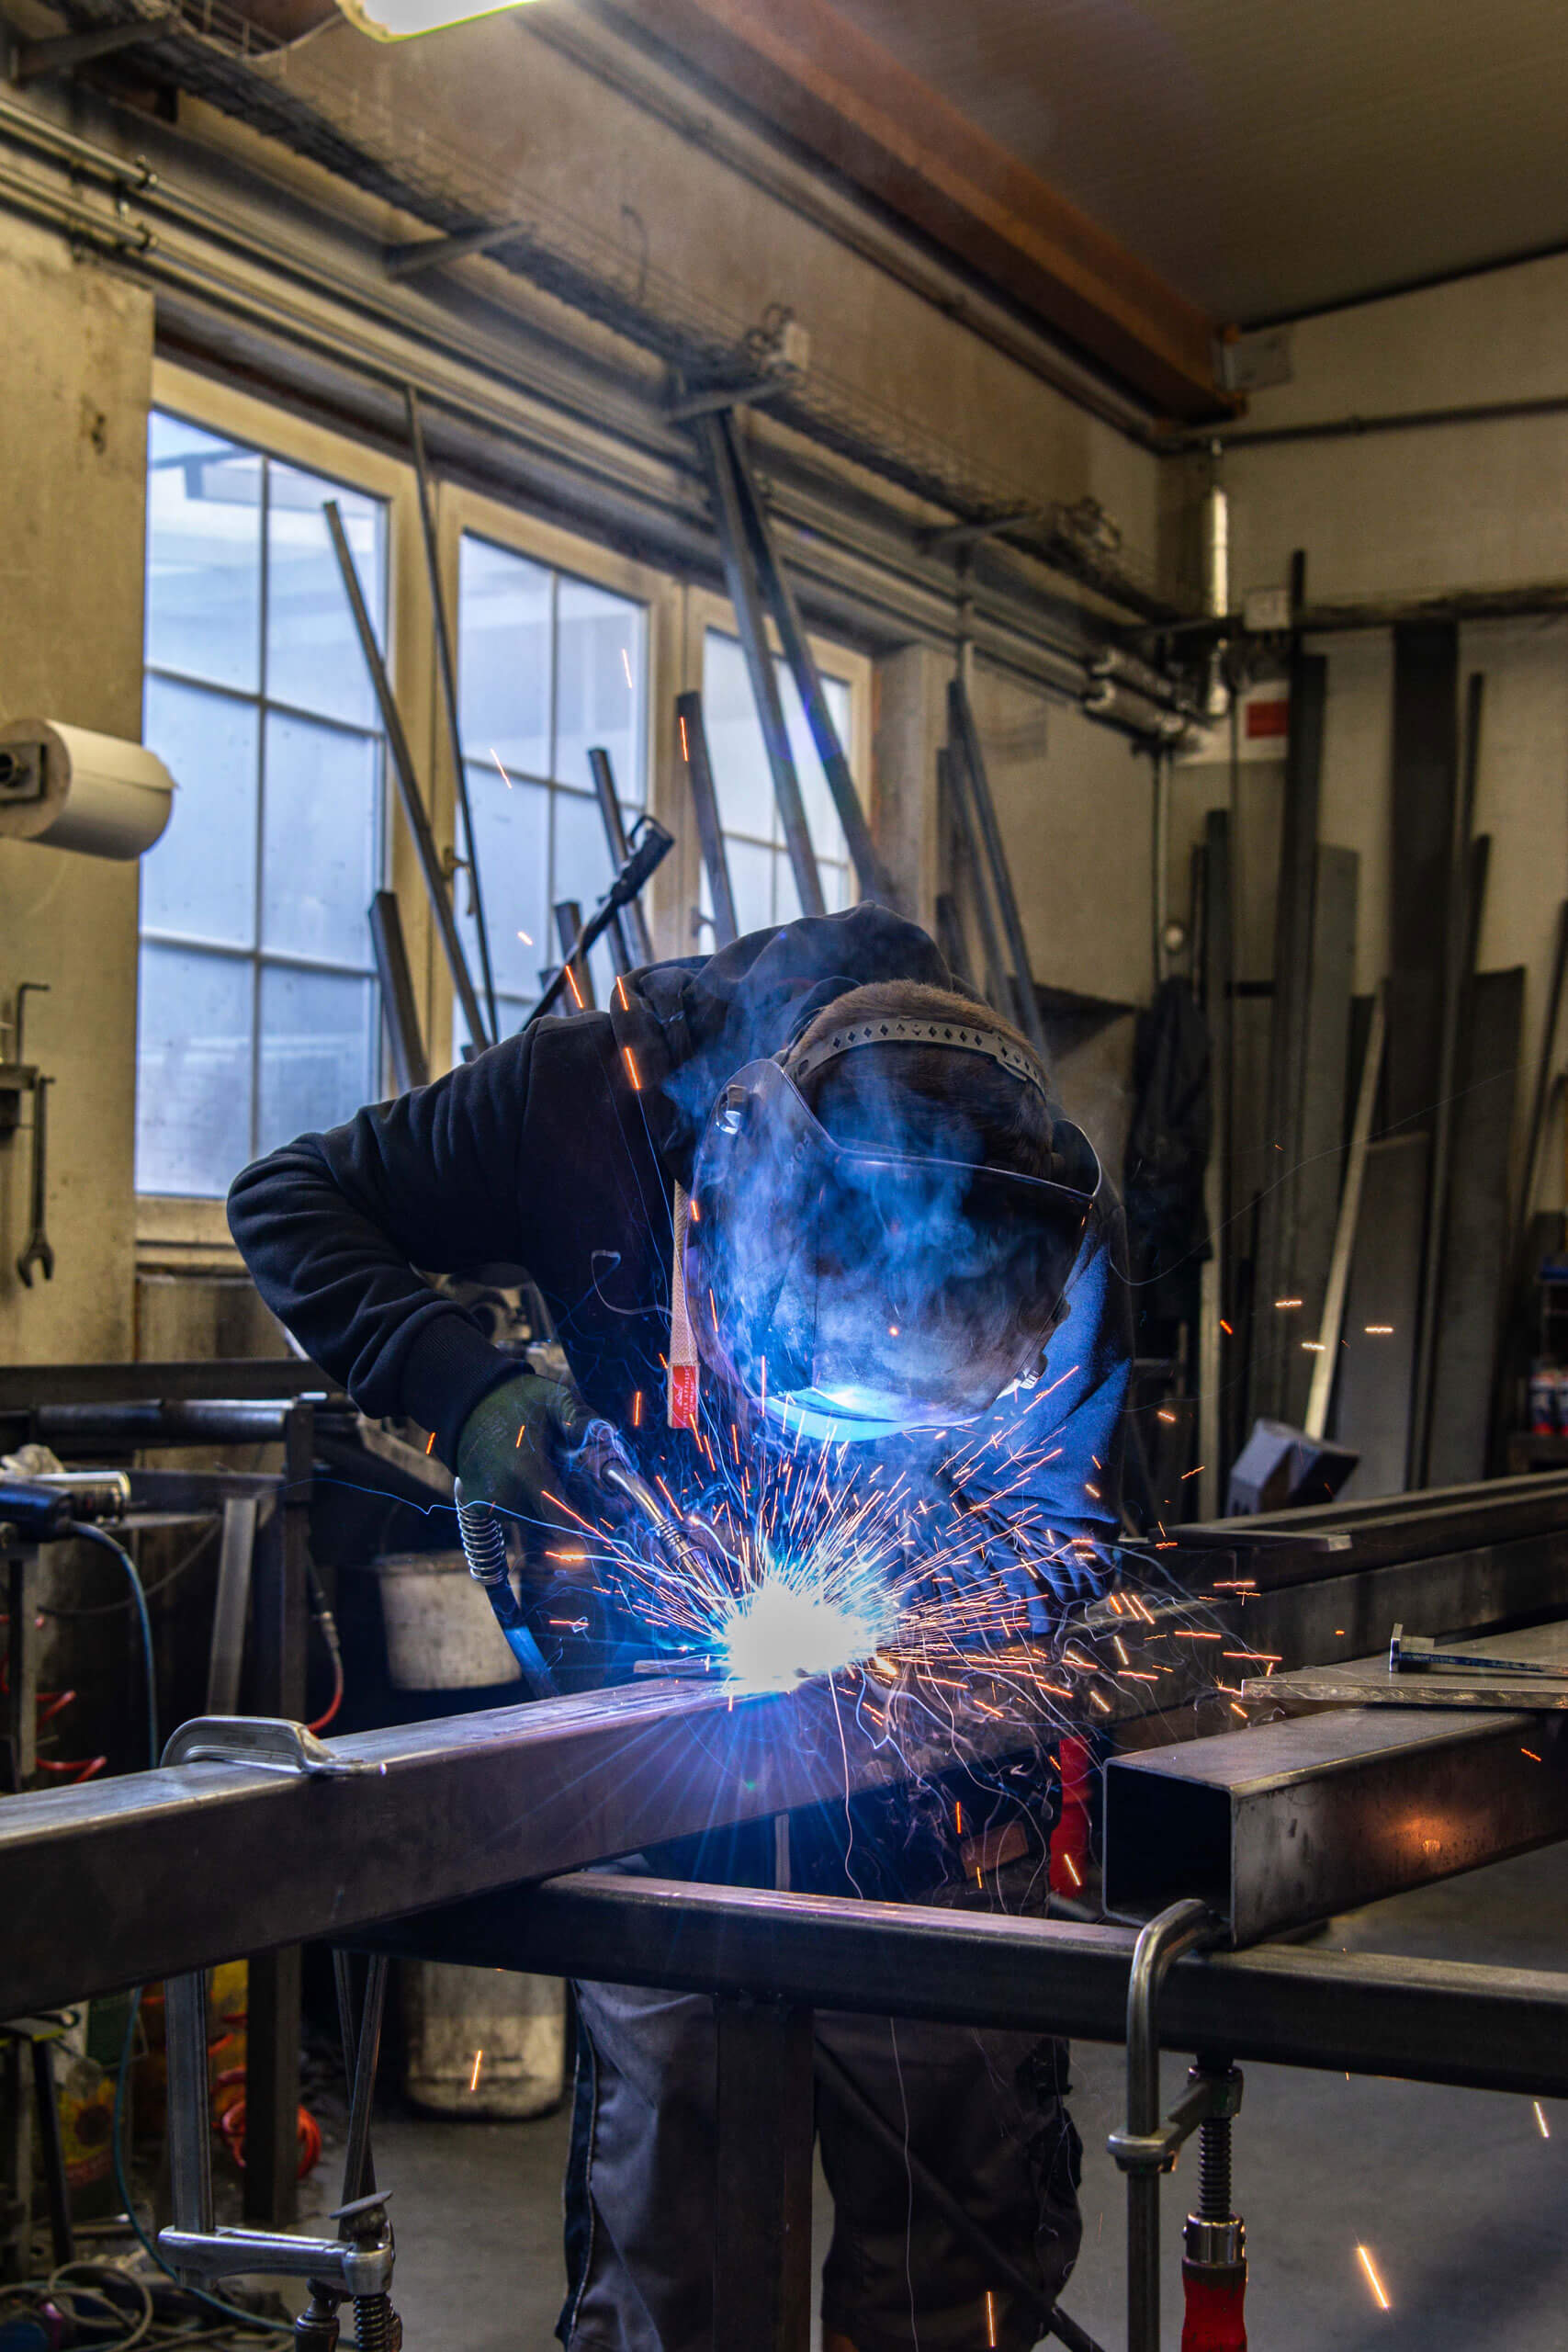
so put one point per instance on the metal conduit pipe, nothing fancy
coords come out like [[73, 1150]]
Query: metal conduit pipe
[[1015, 630]]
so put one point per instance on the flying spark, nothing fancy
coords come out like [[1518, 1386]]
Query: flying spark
[[474, 2077], [506, 780], [1378, 1330], [1373, 2281], [523, 936], [627, 666], [1541, 2120]]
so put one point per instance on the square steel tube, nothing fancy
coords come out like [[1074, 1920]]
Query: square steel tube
[[1288, 1823], [154, 1873]]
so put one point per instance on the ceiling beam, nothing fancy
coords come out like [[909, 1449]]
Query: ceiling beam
[[807, 71]]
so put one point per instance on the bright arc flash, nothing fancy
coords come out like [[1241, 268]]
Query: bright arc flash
[[1373, 2281], [783, 1631]]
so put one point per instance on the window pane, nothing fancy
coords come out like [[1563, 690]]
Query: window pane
[[319, 862], [821, 817], [838, 889], [787, 897], [742, 778], [193, 1071], [503, 638], [512, 826], [312, 650], [199, 880], [203, 555], [583, 872], [600, 661], [316, 1067], [752, 886]]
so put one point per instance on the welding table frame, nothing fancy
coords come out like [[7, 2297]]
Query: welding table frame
[[105, 1409], [164, 1868], [162, 1873]]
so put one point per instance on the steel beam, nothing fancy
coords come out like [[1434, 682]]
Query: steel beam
[[122, 1881], [1293, 1821], [1369, 2013]]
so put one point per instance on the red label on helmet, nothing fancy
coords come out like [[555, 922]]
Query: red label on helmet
[[682, 1395]]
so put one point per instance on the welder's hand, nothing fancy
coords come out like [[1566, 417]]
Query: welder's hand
[[513, 1444]]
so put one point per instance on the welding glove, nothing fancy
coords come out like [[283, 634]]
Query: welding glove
[[512, 1448]]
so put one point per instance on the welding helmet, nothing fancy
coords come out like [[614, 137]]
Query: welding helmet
[[855, 1291]]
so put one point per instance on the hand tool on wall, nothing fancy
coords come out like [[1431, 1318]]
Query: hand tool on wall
[[39, 1250]]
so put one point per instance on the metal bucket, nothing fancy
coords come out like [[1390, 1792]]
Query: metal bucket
[[441, 1633], [482, 2042], [478, 2041]]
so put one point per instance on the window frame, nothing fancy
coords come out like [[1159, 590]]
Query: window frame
[[182, 1231]]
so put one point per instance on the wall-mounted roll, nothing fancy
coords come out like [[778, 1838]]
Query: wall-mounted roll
[[66, 787]]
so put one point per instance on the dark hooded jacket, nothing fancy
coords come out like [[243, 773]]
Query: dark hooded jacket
[[557, 1151]]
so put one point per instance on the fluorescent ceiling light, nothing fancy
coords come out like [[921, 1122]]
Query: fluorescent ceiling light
[[400, 19]]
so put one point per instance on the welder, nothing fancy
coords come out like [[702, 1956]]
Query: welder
[[893, 1224]]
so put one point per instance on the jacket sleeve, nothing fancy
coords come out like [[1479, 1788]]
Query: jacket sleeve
[[333, 1226]]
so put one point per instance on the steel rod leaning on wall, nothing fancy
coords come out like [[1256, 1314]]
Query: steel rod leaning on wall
[[446, 663], [408, 782], [741, 577]]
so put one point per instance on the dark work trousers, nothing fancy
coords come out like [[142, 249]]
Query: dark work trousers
[[983, 2110]]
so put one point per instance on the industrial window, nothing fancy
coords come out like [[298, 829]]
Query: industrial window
[[549, 666], [761, 878], [258, 1013]]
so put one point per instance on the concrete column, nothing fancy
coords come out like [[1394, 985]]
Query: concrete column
[[78, 347]]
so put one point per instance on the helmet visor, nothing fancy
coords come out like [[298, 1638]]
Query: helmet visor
[[855, 1291]]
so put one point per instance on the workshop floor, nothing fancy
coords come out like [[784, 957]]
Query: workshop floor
[[1456, 2195]]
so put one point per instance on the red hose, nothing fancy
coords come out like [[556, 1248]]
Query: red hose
[[336, 1701], [1214, 2321]]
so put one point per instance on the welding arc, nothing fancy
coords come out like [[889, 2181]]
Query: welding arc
[[834, 2077]]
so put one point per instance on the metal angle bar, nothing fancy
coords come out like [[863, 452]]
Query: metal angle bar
[[1325, 1363], [447, 665], [35, 60], [693, 742], [398, 1009], [413, 259], [407, 781], [629, 929], [123, 1881], [875, 881], [952, 777], [232, 1605], [1291, 1822], [1468, 901], [25, 1386], [1426, 2020], [741, 577], [963, 732]]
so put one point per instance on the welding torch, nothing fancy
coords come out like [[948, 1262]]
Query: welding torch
[[688, 1542]]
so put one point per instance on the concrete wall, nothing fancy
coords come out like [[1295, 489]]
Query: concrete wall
[[78, 345], [1410, 513]]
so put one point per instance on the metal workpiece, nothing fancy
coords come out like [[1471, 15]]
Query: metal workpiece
[[1293, 1821], [1367, 2013], [125, 1880], [1524, 1670]]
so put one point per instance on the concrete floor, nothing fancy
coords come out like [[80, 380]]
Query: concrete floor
[[1462, 2203]]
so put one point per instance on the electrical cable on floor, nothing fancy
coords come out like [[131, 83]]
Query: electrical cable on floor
[[90, 1535]]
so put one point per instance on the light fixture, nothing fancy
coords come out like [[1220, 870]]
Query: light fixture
[[402, 19]]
